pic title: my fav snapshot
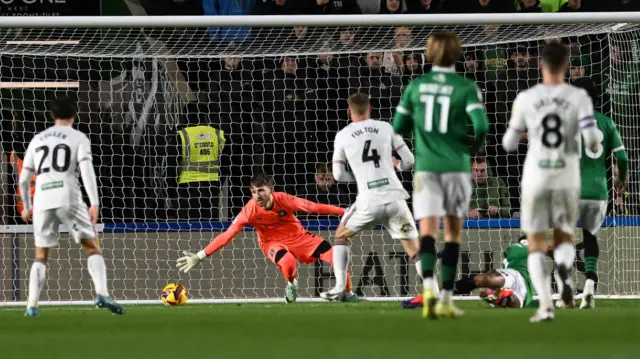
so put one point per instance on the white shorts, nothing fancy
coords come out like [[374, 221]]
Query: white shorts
[[76, 219], [544, 208], [592, 215], [441, 194], [395, 217], [515, 281]]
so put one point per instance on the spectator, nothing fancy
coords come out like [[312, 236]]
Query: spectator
[[393, 61], [424, 7], [228, 8], [489, 197], [384, 89], [273, 7], [412, 68], [332, 7], [571, 6], [392, 7], [324, 188], [521, 75], [495, 56], [529, 6], [578, 67]]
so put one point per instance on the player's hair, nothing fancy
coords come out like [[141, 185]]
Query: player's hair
[[479, 159], [555, 57], [444, 48], [261, 179], [359, 103], [323, 168], [586, 84], [62, 108]]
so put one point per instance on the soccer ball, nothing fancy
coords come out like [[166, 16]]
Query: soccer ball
[[174, 294]]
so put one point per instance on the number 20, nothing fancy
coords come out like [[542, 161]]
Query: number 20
[[443, 119]]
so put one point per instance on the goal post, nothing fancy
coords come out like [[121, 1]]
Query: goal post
[[279, 96]]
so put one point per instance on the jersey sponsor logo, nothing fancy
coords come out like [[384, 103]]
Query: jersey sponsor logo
[[52, 185], [406, 228], [282, 213], [378, 183]]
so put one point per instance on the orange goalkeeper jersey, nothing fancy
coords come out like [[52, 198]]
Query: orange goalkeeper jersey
[[276, 224]]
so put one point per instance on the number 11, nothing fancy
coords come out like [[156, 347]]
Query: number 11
[[443, 119]]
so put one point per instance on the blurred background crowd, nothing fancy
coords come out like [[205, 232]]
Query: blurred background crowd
[[280, 113]]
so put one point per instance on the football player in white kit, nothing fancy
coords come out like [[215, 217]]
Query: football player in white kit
[[554, 114], [55, 155], [367, 146]]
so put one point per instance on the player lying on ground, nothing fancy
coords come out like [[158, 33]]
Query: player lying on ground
[[506, 287], [556, 116], [367, 145], [55, 155], [595, 190], [436, 108], [280, 234]]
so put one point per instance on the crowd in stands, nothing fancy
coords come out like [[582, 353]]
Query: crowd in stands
[[281, 114]]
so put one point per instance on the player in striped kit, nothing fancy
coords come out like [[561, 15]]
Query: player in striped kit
[[55, 156]]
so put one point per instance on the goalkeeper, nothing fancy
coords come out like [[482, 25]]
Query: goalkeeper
[[280, 234]]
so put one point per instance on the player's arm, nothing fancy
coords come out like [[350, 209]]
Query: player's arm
[[475, 110], [299, 204], [28, 169], [403, 118], [619, 151], [85, 164], [340, 172], [517, 124], [406, 157], [587, 122], [191, 260]]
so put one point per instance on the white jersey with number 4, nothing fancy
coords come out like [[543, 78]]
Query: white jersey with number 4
[[54, 156], [367, 147], [553, 117]]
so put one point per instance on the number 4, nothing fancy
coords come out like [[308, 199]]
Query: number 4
[[374, 154], [443, 119]]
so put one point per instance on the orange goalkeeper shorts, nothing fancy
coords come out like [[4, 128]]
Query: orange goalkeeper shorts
[[302, 248]]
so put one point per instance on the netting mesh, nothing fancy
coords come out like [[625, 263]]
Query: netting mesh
[[280, 97]]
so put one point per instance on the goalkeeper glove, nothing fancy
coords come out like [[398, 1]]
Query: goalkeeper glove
[[190, 261]]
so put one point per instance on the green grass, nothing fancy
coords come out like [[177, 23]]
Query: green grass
[[328, 331]]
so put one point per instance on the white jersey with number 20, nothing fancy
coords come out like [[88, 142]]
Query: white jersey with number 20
[[554, 116], [367, 147], [54, 156]]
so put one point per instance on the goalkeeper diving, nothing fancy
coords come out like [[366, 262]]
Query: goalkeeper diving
[[281, 236]]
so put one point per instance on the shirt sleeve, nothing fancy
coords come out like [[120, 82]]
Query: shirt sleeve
[[406, 157], [517, 124], [299, 204], [618, 149], [225, 237], [29, 159], [339, 160], [587, 121], [84, 150], [403, 118]]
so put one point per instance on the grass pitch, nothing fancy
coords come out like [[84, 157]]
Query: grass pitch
[[327, 331]]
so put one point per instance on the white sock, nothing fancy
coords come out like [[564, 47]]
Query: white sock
[[565, 254], [341, 255], [589, 287], [37, 277], [418, 265], [540, 279], [98, 272], [446, 295]]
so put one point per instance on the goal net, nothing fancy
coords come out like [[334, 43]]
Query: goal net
[[279, 94]]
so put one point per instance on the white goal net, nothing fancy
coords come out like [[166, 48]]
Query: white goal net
[[279, 94]]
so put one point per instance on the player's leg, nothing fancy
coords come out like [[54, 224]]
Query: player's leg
[[45, 230], [353, 221], [280, 255], [592, 214], [457, 190], [428, 208], [81, 229], [564, 215], [324, 251], [534, 220]]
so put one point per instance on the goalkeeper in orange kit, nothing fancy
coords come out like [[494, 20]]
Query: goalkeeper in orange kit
[[281, 236]]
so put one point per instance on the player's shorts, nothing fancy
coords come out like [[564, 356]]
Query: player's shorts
[[544, 208], [302, 249], [515, 281], [592, 215], [46, 225], [395, 217], [441, 194]]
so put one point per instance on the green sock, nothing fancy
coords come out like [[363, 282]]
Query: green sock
[[428, 261], [591, 264]]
